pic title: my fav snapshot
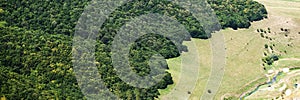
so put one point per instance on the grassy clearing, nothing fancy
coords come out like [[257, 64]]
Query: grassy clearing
[[244, 53], [204, 50], [245, 49], [283, 14], [174, 65], [243, 62], [178, 73]]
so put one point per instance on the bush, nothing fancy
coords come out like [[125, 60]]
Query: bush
[[266, 46], [262, 35], [270, 59], [261, 30]]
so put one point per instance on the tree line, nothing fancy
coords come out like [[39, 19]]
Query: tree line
[[36, 44]]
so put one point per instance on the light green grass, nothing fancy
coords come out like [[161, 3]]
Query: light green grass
[[205, 51], [177, 72], [293, 0], [244, 61], [287, 63], [245, 50], [174, 68]]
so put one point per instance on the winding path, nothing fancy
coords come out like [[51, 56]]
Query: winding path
[[286, 59]]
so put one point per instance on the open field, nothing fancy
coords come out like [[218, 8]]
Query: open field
[[245, 49], [286, 63], [174, 65], [205, 52], [282, 14], [243, 62], [244, 53], [182, 67]]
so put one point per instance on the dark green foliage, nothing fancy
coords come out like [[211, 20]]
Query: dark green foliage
[[262, 35], [261, 30], [271, 47], [35, 59], [140, 54], [238, 13], [270, 59], [149, 45], [266, 46], [36, 65], [55, 17], [295, 68], [265, 54], [2, 24]]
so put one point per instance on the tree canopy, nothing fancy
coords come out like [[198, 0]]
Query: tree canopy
[[36, 44]]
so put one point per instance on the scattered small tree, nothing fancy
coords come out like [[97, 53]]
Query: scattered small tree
[[189, 92], [266, 46], [270, 59], [265, 54], [261, 30], [262, 35], [208, 91], [286, 30], [271, 47]]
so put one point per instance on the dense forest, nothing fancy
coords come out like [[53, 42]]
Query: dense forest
[[36, 44]]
